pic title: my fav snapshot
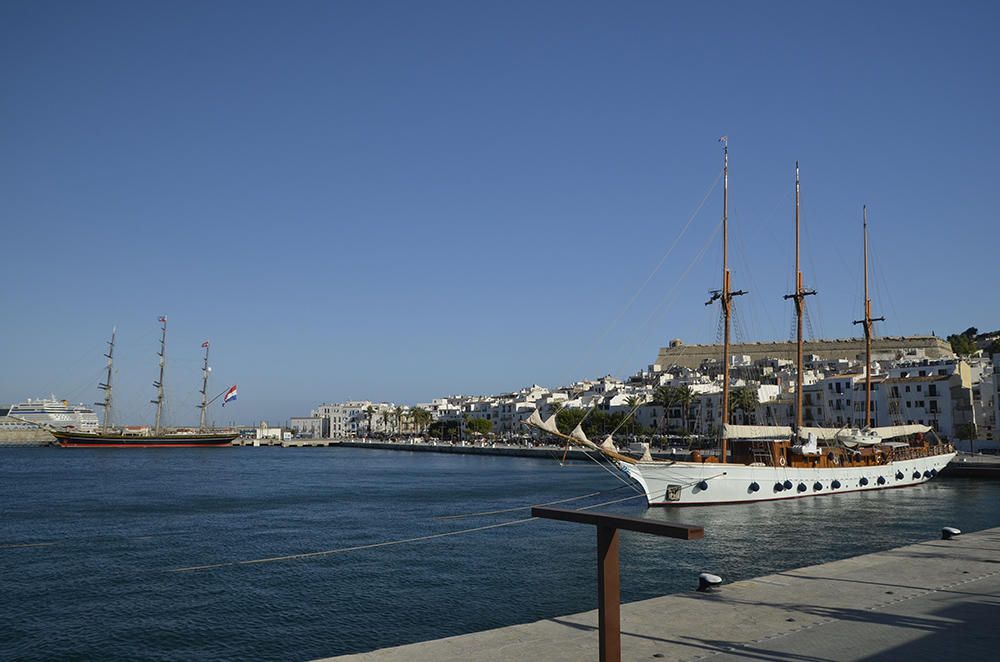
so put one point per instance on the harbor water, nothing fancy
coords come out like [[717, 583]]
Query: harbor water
[[294, 554]]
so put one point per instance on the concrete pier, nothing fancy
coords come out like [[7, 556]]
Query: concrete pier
[[930, 601]]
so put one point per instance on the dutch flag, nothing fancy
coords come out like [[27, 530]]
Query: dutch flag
[[230, 395]]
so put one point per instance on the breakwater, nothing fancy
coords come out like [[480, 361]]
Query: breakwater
[[34, 437]]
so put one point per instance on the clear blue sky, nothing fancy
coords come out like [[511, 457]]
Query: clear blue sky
[[401, 200]]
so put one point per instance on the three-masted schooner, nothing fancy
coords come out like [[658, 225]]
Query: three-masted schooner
[[159, 436], [764, 463]]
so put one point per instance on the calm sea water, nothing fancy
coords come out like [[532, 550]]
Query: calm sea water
[[91, 541]]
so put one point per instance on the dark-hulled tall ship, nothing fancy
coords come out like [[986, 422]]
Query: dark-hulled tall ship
[[144, 436]]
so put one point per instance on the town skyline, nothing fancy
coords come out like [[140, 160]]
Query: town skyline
[[355, 202]]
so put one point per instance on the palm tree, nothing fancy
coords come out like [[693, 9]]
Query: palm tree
[[744, 399], [369, 412], [398, 412], [632, 402], [386, 419], [666, 397], [421, 418], [685, 396]]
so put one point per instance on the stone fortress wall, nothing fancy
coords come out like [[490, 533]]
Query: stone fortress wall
[[919, 347]]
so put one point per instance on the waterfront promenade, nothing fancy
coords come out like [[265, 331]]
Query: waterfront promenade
[[929, 601], [965, 465]]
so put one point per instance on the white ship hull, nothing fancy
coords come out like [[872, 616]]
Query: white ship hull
[[703, 484]]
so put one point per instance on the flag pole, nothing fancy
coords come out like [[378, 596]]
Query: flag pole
[[217, 397]]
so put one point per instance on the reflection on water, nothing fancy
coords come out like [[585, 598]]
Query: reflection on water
[[99, 531]]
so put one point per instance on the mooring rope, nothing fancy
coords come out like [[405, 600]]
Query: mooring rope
[[355, 548], [377, 545], [511, 510]]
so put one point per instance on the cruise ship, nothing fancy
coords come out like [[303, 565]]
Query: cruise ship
[[49, 412]]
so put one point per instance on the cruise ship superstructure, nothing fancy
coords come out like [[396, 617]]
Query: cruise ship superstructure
[[50, 412]]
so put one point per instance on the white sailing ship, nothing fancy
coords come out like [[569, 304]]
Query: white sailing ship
[[765, 463]]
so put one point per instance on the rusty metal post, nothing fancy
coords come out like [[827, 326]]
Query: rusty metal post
[[608, 566], [609, 594]]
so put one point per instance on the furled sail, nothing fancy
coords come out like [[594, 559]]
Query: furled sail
[[578, 434], [756, 431], [646, 455], [549, 425], [609, 444]]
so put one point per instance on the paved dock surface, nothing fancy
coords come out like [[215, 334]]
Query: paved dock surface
[[935, 600]]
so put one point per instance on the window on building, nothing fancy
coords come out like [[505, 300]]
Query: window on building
[[907, 389], [920, 387]]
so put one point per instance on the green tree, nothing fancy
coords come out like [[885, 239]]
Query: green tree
[[567, 419], [479, 426], [962, 344], [369, 412], [743, 399], [668, 398], [632, 402], [444, 429], [685, 398], [398, 414], [421, 418]]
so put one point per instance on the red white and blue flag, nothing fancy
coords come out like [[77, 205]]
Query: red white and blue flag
[[230, 395]]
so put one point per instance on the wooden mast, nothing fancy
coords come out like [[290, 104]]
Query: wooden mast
[[867, 322], [799, 297], [204, 388], [159, 383], [724, 295], [106, 386]]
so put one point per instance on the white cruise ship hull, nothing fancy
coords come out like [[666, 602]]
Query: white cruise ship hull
[[708, 483]]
